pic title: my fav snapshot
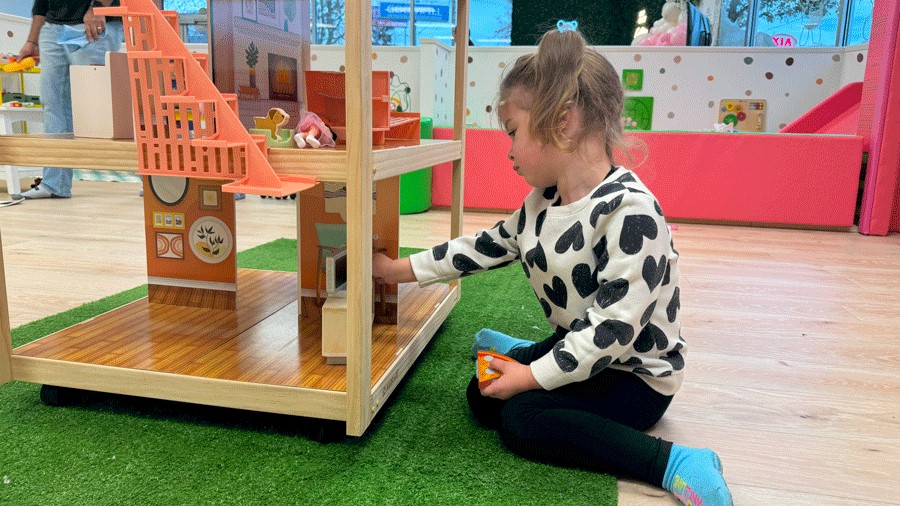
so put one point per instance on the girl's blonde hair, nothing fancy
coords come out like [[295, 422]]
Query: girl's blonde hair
[[565, 72]]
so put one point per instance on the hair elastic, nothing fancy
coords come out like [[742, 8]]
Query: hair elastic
[[567, 26]]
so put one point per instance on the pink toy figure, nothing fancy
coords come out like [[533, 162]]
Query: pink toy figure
[[313, 131]]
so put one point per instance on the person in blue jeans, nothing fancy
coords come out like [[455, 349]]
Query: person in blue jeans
[[63, 33]]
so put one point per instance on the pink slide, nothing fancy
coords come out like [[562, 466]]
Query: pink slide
[[837, 114]]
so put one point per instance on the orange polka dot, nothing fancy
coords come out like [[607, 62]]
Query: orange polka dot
[[819, 81], [404, 59], [637, 57], [677, 59], [374, 56], [709, 78]]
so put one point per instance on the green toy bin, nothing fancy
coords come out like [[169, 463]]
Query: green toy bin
[[415, 187]]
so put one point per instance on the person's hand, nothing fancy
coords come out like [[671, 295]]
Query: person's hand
[[515, 378], [94, 26], [29, 49], [389, 271]]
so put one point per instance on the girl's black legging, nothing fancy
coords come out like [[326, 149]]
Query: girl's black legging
[[595, 424]]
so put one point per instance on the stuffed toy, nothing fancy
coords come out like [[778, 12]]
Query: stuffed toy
[[670, 30]]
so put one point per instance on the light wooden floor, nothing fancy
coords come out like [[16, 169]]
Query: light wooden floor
[[794, 348]]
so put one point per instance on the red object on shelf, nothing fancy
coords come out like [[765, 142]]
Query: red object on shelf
[[326, 96]]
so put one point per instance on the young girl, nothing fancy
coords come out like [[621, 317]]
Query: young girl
[[596, 249]]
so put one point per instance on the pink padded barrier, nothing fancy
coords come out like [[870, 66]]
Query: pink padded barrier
[[880, 211], [792, 179]]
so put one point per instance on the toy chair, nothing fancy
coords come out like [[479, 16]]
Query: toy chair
[[332, 239]]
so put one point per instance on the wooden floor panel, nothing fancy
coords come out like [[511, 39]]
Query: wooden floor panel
[[257, 343]]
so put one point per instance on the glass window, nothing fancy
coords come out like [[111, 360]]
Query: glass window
[[734, 21], [489, 25], [191, 17], [860, 22], [810, 22]]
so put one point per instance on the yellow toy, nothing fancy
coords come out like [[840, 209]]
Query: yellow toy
[[18, 66], [272, 121]]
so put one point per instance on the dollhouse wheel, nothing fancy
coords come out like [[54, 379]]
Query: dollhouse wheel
[[327, 431], [58, 396]]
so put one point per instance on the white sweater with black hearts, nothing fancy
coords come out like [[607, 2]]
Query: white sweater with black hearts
[[603, 268]]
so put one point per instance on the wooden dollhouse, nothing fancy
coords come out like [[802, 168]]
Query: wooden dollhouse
[[243, 338]]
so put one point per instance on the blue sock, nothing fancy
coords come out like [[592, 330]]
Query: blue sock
[[694, 476], [491, 340]]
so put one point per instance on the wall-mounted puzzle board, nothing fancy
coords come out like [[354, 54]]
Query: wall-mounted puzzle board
[[744, 114]]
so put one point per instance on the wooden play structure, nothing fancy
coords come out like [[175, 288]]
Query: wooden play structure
[[210, 333]]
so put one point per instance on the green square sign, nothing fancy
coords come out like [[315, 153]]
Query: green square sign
[[633, 79]]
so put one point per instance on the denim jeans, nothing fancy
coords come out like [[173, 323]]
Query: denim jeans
[[56, 94]]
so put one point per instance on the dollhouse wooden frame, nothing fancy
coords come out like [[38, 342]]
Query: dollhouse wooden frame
[[378, 356]]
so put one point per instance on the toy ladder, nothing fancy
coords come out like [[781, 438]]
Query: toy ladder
[[183, 125]]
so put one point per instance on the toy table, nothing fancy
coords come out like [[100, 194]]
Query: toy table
[[257, 361]]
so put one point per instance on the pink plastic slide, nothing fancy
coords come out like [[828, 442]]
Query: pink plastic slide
[[837, 114]]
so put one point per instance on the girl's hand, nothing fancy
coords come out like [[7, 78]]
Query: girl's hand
[[94, 26], [389, 271], [516, 378]]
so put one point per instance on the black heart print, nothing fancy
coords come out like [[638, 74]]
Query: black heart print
[[546, 306], [565, 360], [579, 324], [649, 337], [539, 223], [675, 359], [628, 177], [584, 280], [659, 210], [574, 238], [465, 264], [486, 246], [525, 268], [648, 313], [634, 229], [653, 272], [631, 361], [612, 292], [521, 226], [557, 294], [604, 208], [440, 251], [674, 306], [612, 331], [536, 257], [549, 192], [607, 189], [503, 233], [601, 253], [600, 365], [666, 278]]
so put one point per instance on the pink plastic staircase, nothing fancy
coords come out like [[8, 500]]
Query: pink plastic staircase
[[183, 125]]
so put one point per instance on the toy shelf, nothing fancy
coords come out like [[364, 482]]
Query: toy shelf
[[394, 158], [259, 356], [226, 358]]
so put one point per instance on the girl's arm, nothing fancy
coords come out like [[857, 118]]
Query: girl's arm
[[389, 271]]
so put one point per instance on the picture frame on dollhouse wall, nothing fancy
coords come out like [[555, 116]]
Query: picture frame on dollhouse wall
[[248, 9], [258, 51]]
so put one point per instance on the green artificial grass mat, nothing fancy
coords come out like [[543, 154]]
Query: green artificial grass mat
[[423, 448]]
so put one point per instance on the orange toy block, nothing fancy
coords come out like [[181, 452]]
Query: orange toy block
[[483, 369]]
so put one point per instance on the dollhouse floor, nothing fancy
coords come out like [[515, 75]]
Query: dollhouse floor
[[257, 343]]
